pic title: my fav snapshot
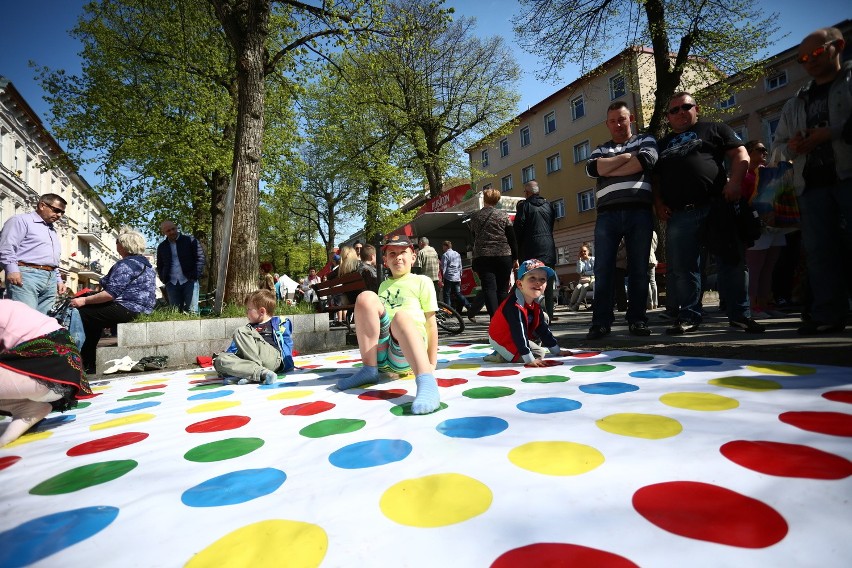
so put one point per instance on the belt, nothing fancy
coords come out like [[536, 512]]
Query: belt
[[37, 266]]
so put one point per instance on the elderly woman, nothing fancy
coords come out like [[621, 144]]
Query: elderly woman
[[40, 368], [495, 252], [128, 290]]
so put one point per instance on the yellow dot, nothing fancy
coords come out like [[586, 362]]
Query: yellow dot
[[463, 366], [649, 426], [556, 458], [338, 357], [271, 543], [123, 421], [151, 381], [781, 369], [27, 438], [200, 376], [291, 394], [101, 388], [703, 401], [213, 406], [745, 383], [436, 500]]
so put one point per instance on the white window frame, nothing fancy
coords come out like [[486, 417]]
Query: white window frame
[[550, 122], [578, 157], [483, 158], [776, 80], [528, 173], [741, 131], [506, 183], [525, 136], [559, 208], [586, 200], [613, 82], [554, 163], [730, 102], [578, 103], [504, 147]]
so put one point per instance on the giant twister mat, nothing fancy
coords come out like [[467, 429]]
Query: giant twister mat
[[610, 459]]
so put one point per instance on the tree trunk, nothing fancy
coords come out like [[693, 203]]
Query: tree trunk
[[374, 206]]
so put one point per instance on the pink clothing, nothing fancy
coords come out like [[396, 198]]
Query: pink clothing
[[19, 323]]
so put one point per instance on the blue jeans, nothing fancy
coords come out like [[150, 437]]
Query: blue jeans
[[685, 234], [183, 296], [827, 237], [454, 289], [38, 289], [636, 226]]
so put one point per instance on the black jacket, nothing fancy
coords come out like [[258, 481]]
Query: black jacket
[[534, 220], [190, 257]]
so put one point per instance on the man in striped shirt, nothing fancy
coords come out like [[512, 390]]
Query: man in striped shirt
[[622, 167]]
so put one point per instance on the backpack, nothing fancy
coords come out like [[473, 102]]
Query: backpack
[[284, 336]]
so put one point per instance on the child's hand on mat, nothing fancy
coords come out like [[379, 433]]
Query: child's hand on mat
[[543, 363]]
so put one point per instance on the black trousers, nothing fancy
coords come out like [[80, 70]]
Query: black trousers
[[95, 318], [494, 273]]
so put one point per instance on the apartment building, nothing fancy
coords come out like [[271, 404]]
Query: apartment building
[[31, 165]]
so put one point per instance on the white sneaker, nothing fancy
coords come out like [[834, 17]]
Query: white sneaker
[[494, 358]]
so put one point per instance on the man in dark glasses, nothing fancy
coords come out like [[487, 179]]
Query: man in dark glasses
[[29, 253], [689, 178], [815, 131]]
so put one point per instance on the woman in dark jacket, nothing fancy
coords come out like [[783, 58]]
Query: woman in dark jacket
[[495, 253]]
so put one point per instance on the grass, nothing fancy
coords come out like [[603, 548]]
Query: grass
[[228, 311]]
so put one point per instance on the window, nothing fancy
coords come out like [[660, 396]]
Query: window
[[581, 152], [525, 136], [616, 87], [506, 183], [484, 158], [559, 208], [578, 108], [586, 200], [554, 163], [528, 174], [770, 123], [728, 103], [776, 80], [504, 147], [563, 255], [741, 132], [549, 122]]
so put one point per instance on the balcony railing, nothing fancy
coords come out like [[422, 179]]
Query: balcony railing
[[90, 234]]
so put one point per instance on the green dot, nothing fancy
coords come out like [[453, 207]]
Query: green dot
[[405, 410], [745, 383], [141, 396], [600, 368], [82, 405], [205, 387], [489, 392], [481, 347], [448, 352], [545, 379], [331, 427], [83, 477], [223, 449], [324, 370], [633, 358]]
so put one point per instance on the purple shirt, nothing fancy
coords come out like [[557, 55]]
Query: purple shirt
[[28, 238]]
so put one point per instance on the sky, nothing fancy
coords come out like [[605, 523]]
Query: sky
[[37, 30]]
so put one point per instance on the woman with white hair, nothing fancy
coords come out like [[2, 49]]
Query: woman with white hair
[[129, 289]]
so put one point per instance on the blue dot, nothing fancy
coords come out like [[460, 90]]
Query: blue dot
[[472, 355], [656, 374], [696, 363], [370, 453], [211, 394], [133, 407], [472, 427], [443, 360], [234, 488], [608, 388], [549, 405], [53, 421], [279, 385], [39, 538]]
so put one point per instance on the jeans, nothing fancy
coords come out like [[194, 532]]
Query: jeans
[[38, 289], [183, 296], [685, 234], [494, 273], [636, 226], [454, 289], [827, 238]]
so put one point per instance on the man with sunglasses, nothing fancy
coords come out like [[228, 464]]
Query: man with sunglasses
[[815, 131], [689, 177], [29, 253]]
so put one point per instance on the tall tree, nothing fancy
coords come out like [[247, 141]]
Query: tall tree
[[726, 35]]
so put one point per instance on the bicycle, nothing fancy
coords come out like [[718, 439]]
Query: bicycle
[[447, 318]]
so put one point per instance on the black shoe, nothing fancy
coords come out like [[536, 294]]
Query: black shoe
[[747, 324], [472, 318], [639, 328], [817, 327], [681, 327], [597, 331]]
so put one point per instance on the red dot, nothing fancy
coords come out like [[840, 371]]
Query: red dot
[[8, 461], [382, 394], [831, 423], [839, 396], [350, 361], [787, 460], [451, 382], [552, 555], [147, 388], [310, 366], [211, 380], [218, 424], [105, 444], [498, 373], [708, 512], [459, 345], [585, 354], [307, 408]]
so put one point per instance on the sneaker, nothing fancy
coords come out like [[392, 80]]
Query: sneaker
[[597, 331], [747, 324], [681, 327], [494, 358], [760, 315], [813, 327], [268, 377], [639, 328], [472, 318]]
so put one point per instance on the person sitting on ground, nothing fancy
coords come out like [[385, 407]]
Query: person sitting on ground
[[397, 331], [40, 368], [520, 319], [260, 349]]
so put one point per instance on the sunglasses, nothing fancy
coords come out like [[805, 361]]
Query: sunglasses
[[761, 149], [814, 54], [684, 107], [56, 210]]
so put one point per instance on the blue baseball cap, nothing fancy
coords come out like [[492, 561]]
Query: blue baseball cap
[[534, 264]]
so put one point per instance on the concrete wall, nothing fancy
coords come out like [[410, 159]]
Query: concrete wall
[[183, 341]]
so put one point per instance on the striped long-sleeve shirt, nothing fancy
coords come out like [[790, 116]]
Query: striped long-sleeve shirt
[[630, 189]]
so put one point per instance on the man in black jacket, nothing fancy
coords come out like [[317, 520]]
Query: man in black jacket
[[180, 262], [534, 220]]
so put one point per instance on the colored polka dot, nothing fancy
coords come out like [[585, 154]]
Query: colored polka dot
[[28, 438], [223, 449], [464, 366], [696, 363], [8, 461], [556, 458], [382, 394], [488, 392], [710, 513], [265, 544], [482, 346], [472, 427], [370, 453], [279, 385], [702, 401], [633, 358], [608, 388], [307, 408], [405, 410], [436, 500], [648, 426], [332, 427], [745, 383], [452, 352], [470, 356], [53, 422], [831, 423], [781, 369], [42, 537], [148, 387], [125, 421], [234, 488], [81, 405], [451, 382], [106, 444], [656, 374], [133, 407], [150, 381], [787, 460], [553, 554], [207, 386], [545, 379], [213, 406], [549, 405], [838, 396], [218, 424], [83, 477], [211, 395], [600, 368], [586, 354], [350, 361], [142, 396], [499, 373], [286, 395]]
